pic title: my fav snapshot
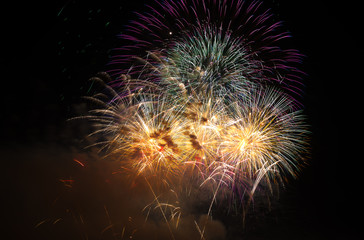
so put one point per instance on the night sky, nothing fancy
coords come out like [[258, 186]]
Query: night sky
[[52, 49]]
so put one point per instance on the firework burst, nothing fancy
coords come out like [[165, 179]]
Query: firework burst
[[209, 104], [222, 32], [209, 62], [265, 138]]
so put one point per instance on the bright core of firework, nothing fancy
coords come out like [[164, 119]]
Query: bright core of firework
[[236, 142]]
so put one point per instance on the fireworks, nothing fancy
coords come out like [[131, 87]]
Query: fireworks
[[226, 37], [212, 103]]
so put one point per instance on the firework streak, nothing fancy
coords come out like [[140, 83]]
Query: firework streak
[[208, 101]]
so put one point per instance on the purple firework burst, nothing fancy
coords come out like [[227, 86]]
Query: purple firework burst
[[248, 23]]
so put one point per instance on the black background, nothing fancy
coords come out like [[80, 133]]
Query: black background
[[51, 49]]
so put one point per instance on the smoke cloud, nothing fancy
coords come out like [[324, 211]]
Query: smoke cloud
[[63, 192]]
